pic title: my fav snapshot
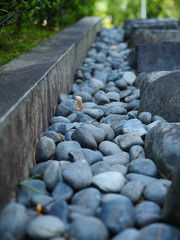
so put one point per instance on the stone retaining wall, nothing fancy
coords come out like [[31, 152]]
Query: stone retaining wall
[[29, 88]]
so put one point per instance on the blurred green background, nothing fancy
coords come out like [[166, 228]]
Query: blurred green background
[[25, 24]]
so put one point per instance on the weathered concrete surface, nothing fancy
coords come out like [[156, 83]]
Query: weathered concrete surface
[[162, 97], [158, 57], [153, 35], [29, 89]]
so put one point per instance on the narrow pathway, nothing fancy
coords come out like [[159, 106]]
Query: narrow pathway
[[92, 180]]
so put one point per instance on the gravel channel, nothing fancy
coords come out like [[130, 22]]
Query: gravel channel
[[92, 180]]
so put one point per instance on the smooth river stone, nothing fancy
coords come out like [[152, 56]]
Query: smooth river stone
[[134, 126], [136, 152], [126, 141], [63, 149], [109, 181], [100, 167], [119, 158], [78, 175], [145, 179], [109, 133], [109, 148], [129, 234]]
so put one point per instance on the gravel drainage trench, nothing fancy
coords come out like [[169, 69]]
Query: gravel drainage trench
[[92, 179]]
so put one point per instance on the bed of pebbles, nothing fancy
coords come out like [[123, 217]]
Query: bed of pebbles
[[92, 180]]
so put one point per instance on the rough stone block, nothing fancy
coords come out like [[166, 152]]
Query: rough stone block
[[161, 97], [158, 57]]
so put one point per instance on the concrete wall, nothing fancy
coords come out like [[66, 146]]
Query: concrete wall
[[29, 89]]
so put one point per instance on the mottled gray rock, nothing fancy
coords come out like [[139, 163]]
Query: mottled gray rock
[[162, 145], [88, 198], [143, 166], [118, 215], [134, 126], [128, 140], [109, 181], [109, 148], [78, 175], [45, 149], [147, 212], [156, 191], [45, 227], [93, 229], [161, 97], [63, 149], [167, 232], [130, 234], [119, 158], [13, 221], [133, 190]]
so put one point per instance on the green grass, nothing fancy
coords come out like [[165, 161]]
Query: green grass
[[13, 44]]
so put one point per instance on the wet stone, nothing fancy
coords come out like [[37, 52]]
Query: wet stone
[[143, 166], [118, 215], [128, 140], [147, 212], [78, 175], [136, 152], [133, 190], [45, 149], [109, 181], [88, 198], [93, 229], [45, 227], [156, 191]]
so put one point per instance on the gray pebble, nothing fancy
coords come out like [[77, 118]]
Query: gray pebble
[[63, 149], [109, 148], [119, 158], [128, 140], [136, 152], [129, 234], [100, 167], [143, 178], [134, 126], [145, 117]]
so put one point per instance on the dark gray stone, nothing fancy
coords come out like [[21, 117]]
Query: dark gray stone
[[134, 126], [62, 191], [116, 110], [161, 97], [109, 148], [58, 127], [145, 117], [133, 105], [97, 133], [126, 141], [93, 229], [76, 210], [152, 231], [40, 168], [162, 145], [94, 113], [56, 137], [143, 178], [143, 166], [171, 207], [78, 175], [133, 190], [125, 93], [157, 190], [89, 198], [86, 154], [130, 234], [109, 133], [64, 148], [52, 175], [13, 221], [45, 227], [60, 210], [147, 212], [118, 215], [45, 149], [85, 139], [113, 96], [121, 84], [118, 158], [109, 181], [100, 167], [162, 52], [25, 194]]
